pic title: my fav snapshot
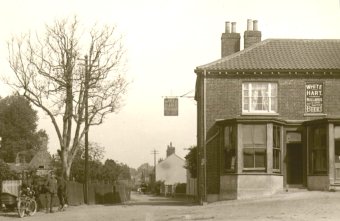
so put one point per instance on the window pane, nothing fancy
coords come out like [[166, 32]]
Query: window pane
[[273, 104], [318, 144], [246, 93], [260, 158], [337, 143], [320, 162], [273, 90], [276, 159], [248, 157], [260, 134], [337, 132], [226, 137], [247, 134]]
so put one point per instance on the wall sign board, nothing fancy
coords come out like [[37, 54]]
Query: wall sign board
[[314, 97]]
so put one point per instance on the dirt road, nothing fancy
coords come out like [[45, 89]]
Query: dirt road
[[299, 206]]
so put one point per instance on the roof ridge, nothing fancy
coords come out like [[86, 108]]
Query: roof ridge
[[281, 54]]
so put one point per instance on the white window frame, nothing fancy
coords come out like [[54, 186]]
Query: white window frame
[[270, 97]]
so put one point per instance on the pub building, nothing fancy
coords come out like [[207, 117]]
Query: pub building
[[268, 116]]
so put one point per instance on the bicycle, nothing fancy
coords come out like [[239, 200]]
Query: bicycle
[[26, 204]]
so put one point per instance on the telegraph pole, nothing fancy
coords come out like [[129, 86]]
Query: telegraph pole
[[86, 98], [154, 152]]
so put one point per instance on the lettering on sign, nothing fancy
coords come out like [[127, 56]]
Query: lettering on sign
[[171, 107], [314, 98]]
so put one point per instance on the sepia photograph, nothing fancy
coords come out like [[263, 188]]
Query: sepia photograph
[[170, 110]]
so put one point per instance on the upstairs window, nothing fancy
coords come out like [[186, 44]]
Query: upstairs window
[[259, 97]]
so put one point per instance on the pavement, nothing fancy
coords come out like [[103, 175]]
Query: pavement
[[295, 206]]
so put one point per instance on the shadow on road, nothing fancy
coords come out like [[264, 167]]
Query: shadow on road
[[152, 200], [8, 214]]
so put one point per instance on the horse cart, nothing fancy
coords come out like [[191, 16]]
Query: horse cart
[[14, 197]]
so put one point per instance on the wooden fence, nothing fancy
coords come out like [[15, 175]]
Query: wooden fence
[[191, 188], [98, 193]]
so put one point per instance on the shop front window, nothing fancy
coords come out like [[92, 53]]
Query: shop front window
[[229, 149], [259, 97], [277, 148], [318, 150], [254, 147]]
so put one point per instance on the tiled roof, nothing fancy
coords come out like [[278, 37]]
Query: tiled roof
[[282, 54]]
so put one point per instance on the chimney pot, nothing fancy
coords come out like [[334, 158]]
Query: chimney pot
[[233, 27], [249, 25], [255, 25], [227, 27]]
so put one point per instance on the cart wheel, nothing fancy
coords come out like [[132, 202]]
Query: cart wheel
[[32, 207], [21, 208]]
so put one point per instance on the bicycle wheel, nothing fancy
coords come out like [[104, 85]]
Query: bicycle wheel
[[32, 207], [21, 207]]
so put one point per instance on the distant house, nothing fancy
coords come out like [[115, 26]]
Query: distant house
[[41, 162], [26, 161], [171, 171]]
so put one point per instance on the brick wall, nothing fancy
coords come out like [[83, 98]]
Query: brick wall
[[213, 166], [224, 97]]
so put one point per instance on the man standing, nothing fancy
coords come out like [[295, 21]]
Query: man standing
[[51, 191], [62, 193]]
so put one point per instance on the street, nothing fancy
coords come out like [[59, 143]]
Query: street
[[299, 206]]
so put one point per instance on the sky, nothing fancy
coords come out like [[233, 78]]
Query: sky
[[165, 41]]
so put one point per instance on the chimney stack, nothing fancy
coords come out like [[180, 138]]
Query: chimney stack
[[230, 41], [170, 150], [252, 35]]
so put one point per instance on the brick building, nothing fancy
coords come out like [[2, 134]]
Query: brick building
[[268, 116]]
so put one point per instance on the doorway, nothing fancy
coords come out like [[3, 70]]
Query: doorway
[[294, 161]]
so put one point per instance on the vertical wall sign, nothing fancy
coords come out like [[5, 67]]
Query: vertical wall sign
[[171, 107], [314, 97]]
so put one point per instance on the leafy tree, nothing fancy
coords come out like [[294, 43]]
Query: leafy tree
[[18, 124], [5, 172], [191, 161], [49, 73], [96, 154]]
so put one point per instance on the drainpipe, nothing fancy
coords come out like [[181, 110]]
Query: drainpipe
[[205, 135]]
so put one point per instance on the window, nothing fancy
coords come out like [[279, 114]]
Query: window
[[229, 149], [254, 147], [318, 151], [259, 97], [337, 143], [276, 148]]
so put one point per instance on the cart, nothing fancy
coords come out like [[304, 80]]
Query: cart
[[9, 194], [14, 199]]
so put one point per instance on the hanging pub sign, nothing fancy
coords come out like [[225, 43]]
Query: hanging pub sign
[[170, 106], [314, 97]]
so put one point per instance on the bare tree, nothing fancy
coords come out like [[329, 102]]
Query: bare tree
[[50, 72]]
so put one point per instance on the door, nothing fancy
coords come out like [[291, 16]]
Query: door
[[294, 161]]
